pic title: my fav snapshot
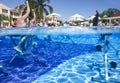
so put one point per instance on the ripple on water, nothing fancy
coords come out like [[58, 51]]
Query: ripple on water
[[69, 63], [77, 79], [61, 80]]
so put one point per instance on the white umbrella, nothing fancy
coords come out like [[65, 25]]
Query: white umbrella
[[53, 17], [53, 14], [91, 17], [76, 17]]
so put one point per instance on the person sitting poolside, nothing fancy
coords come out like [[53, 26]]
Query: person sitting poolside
[[116, 23]]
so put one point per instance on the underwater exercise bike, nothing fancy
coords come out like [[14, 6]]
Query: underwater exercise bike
[[103, 45]]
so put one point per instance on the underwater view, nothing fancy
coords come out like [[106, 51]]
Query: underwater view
[[58, 41], [68, 54]]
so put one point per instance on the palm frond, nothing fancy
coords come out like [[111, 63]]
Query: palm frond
[[41, 7]]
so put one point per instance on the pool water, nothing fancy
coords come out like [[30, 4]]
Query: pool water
[[64, 55]]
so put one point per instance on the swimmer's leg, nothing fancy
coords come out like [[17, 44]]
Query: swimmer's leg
[[21, 45]]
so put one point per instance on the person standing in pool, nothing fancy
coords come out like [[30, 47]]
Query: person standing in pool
[[26, 40], [19, 22], [95, 19]]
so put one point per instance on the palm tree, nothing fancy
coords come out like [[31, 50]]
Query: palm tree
[[0, 19], [41, 7], [109, 12]]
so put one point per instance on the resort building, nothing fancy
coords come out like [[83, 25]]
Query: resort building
[[6, 15], [113, 18]]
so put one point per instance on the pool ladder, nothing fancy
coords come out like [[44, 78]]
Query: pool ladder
[[105, 48]]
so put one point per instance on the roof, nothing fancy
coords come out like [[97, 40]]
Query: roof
[[3, 6], [116, 14], [115, 17]]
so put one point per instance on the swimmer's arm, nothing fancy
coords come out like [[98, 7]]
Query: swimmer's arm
[[34, 16], [27, 12]]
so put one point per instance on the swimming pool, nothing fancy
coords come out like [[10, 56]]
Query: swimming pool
[[59, 55]]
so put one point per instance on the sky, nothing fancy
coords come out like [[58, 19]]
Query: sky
[[67, 8]]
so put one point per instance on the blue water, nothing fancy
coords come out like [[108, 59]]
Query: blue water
[[59, 55]]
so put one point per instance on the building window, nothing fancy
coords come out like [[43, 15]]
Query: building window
[[4, 11]]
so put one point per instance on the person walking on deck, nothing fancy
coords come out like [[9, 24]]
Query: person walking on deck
[[95, 19]]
